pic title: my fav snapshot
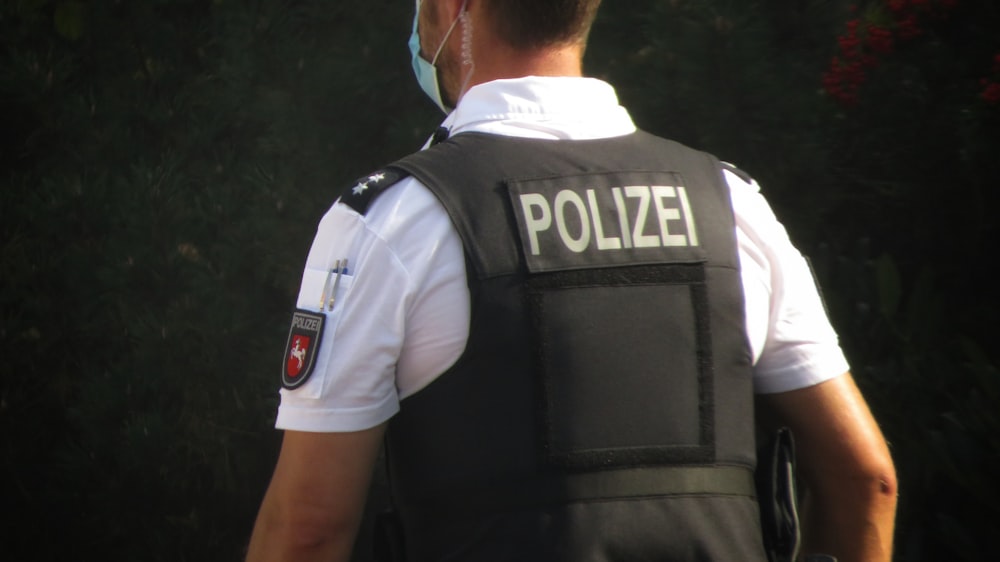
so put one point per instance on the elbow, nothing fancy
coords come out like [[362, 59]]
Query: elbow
[[873, 484], [868, 479], [298, 533], [887, 486], [850, 512], [879, 471]]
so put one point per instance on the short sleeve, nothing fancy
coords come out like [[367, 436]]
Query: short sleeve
[[352, 385], [400, 317], [794, 344]]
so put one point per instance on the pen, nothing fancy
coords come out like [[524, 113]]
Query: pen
[[336, 282], [326, 286]]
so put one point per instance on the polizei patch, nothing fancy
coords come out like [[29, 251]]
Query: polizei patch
[[302, 347], [605, 219]]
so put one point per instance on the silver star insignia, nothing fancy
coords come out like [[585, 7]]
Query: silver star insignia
[[376, 177], [360, 188]]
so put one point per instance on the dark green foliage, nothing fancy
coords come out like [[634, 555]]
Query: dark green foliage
[[892, 196], [164, 167], [164, 164], [918, 168]]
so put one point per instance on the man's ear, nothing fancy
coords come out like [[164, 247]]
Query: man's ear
[[452, 8]]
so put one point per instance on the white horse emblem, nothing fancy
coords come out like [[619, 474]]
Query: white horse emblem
[[299, 352]]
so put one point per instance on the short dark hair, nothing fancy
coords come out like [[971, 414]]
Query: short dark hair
[[532, 24]]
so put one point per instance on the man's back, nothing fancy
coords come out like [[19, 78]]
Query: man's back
[[607, 364]]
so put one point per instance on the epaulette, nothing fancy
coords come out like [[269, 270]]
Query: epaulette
[[361, 193], [739, 173]]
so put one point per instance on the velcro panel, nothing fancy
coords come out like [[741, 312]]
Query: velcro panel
[[624, 359]]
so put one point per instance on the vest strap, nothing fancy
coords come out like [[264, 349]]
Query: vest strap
[[666, 481], [603, 485]]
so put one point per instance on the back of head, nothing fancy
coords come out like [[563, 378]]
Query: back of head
[[536, 24]]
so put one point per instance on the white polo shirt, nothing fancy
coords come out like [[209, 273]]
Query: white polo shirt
[[401, 313]]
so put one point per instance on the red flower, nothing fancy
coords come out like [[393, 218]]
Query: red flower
[[880, 39], [991, 94], [865, 42]]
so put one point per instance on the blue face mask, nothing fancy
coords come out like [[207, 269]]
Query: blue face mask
[[426, 72]]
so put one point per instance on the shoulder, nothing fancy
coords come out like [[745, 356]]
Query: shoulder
[[733, 174], [398, 224], [369, 217], [755, 219], [749, 204], [387, 204]]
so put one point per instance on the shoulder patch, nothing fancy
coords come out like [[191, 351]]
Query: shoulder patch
[[361, 193], [739, 173], [304, 338]]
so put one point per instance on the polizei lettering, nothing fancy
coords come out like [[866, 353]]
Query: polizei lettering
[[635, 207], [610, 224], [308, 323]]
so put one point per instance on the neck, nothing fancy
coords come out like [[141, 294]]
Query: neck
[[557, 61], [494, 59]]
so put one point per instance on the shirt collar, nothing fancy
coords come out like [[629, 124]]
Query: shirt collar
[[542, 107]]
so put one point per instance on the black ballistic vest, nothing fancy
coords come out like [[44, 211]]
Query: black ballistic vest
[[602, 408]]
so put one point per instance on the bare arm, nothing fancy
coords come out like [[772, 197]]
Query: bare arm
[[314, 504], [845, 467]]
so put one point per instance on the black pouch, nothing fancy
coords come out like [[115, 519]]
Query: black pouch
[[776, 494]]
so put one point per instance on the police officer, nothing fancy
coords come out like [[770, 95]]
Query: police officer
[[558, 323]]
